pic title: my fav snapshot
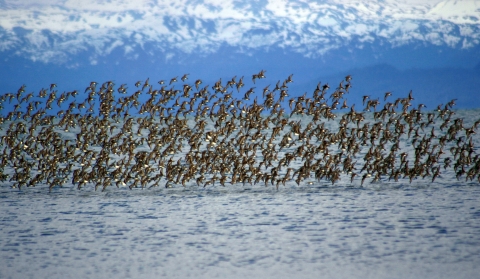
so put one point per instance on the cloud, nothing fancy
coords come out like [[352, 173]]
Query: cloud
[[48, 29]]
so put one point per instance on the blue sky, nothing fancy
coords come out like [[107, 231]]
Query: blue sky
[[392, 45]]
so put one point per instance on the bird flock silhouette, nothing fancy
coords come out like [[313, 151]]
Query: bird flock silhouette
[[185, 134]]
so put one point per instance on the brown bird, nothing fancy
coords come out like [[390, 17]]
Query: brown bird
[[175, 137], [387, 94]]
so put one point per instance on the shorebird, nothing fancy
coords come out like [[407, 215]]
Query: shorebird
[[167, 136], [387, 94]]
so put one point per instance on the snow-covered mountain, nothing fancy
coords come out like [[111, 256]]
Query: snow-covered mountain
[[55, 31], [74, 42]]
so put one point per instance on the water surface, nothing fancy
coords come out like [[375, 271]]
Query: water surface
[[318, 231]]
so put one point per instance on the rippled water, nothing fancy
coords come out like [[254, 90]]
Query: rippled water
[[419, 231]]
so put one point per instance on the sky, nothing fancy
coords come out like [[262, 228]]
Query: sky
[[71, 41]]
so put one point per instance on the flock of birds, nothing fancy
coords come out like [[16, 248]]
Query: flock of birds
[[181, 133]]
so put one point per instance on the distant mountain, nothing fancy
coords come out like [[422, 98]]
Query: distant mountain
[[430, 47], [57, 32], [431, 86]]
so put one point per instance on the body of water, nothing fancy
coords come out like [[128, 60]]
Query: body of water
[[379, 231]]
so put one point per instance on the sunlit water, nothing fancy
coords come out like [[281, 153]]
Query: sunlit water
[[312, 232], [381, 230]]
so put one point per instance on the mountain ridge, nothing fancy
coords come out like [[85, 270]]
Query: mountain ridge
[[430, 86], [53, 33]]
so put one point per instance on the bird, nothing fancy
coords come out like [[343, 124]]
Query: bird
[[178, 137], [387, 94]]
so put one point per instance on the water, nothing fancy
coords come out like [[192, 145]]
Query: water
[[421, 231], [382, 230]]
